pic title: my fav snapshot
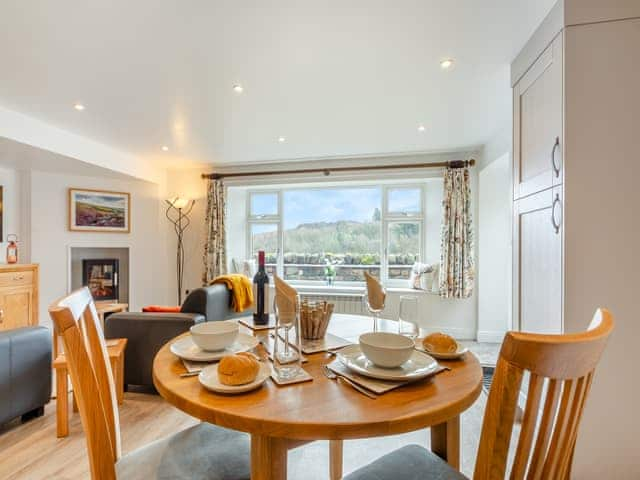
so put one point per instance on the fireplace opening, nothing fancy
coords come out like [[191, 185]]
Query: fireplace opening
[[101, 276]]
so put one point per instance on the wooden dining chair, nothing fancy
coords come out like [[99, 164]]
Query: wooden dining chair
[[200, 452], [560, 371]]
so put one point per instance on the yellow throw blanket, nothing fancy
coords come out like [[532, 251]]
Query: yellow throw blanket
[[241, 290]]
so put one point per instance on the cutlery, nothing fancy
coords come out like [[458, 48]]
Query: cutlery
[[330, 374], [335, 351], [189, 374]]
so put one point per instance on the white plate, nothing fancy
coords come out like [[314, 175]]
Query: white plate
[[209, 379], [418, 366], [185, 348], [443, 356]]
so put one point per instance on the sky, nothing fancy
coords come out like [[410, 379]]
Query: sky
[[333, 204], [111, 201]]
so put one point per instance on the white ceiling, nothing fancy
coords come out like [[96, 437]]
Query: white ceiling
[[335, 77]]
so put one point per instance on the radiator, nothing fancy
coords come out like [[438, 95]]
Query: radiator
[[343, 303]]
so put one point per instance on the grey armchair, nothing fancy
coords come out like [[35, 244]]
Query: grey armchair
[[25, 372], [148, 332]]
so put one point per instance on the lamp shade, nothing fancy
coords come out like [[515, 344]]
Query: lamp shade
[[178, 202]]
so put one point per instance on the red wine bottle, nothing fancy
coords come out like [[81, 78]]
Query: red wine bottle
[[260, 293]]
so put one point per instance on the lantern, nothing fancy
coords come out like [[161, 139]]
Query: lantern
[[12, 248]]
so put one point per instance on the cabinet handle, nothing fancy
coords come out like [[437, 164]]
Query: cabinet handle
[[556, 201], [556, 168], [18, 277], [1, 315]]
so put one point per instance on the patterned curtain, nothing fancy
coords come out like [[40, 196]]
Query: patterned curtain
[[215, 254], [457, 268]]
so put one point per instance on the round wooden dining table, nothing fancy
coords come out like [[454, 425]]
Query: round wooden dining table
[[280, 418]]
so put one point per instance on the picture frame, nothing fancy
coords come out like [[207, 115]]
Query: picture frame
[[99, 211]]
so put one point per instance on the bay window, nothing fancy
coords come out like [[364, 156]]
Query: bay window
[[335, 234]]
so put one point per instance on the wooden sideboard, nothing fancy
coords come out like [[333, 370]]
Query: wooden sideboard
[[18, 296]]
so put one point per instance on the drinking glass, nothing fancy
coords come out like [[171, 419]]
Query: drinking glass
[[408, 317], [375, 312], [287, 362]]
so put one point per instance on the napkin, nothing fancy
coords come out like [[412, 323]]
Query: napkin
[[286, 300], [375, 292]]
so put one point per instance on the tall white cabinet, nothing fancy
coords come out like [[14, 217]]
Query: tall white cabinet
[[576, 204]]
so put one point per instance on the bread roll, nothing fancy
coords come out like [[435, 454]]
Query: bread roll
[[440, 343], [238, 369]]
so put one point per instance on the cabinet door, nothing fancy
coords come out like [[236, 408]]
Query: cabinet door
[[537, 124], [15, 308], [538, 262]]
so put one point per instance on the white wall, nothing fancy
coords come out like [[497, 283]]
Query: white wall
[[10, 179], [50, 237], [494, 250]]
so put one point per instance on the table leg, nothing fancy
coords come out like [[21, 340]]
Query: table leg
[[335, 459], [62, 403], [268, 458], [445, 441]]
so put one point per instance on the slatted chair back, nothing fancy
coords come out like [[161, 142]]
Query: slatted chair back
[[76, 321], [560, 369]]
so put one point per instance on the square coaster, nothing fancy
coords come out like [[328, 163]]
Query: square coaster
[[303, 376], [248, 322]]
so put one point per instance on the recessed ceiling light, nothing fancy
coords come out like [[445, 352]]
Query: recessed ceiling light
[[79, 107], [165, 148], [238, 88], [446, 64], [421, 128], [281, 139]]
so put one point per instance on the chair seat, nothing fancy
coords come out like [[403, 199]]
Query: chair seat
[[202, 452], [407, 463]]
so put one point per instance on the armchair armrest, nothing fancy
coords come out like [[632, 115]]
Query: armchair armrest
[[146, 334]]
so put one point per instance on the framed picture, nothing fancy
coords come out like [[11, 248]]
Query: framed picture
[[99, 211]]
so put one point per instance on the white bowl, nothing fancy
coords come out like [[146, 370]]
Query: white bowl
[[212, 336], [387, 350]]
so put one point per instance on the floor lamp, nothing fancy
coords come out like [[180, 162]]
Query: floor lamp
[[178, 211]]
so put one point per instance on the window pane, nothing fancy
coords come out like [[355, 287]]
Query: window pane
[[264, 236], [403, 249], [264, 204], [331, 233], [404, 200]]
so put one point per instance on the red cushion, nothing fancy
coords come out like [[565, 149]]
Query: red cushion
[[160, 309]]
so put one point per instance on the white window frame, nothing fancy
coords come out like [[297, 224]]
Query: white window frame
[[389, 217], [265, 220], [386, 219]]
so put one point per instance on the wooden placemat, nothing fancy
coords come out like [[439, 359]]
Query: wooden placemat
[[374, 384]]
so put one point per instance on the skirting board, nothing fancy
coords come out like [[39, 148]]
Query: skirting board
[[455, 332], [490, 336]]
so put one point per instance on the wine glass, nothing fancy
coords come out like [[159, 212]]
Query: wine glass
[[408, 317], [286, 360], [375, 312]]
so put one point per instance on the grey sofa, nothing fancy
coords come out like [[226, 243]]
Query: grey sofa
[[148, 332], [25, 372]]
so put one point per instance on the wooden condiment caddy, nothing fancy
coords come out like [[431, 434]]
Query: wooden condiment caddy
[[314, 319]]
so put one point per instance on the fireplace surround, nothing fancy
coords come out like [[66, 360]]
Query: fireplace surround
[[104, 269]]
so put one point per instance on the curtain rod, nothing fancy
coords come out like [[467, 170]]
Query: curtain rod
[[329, 171]]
